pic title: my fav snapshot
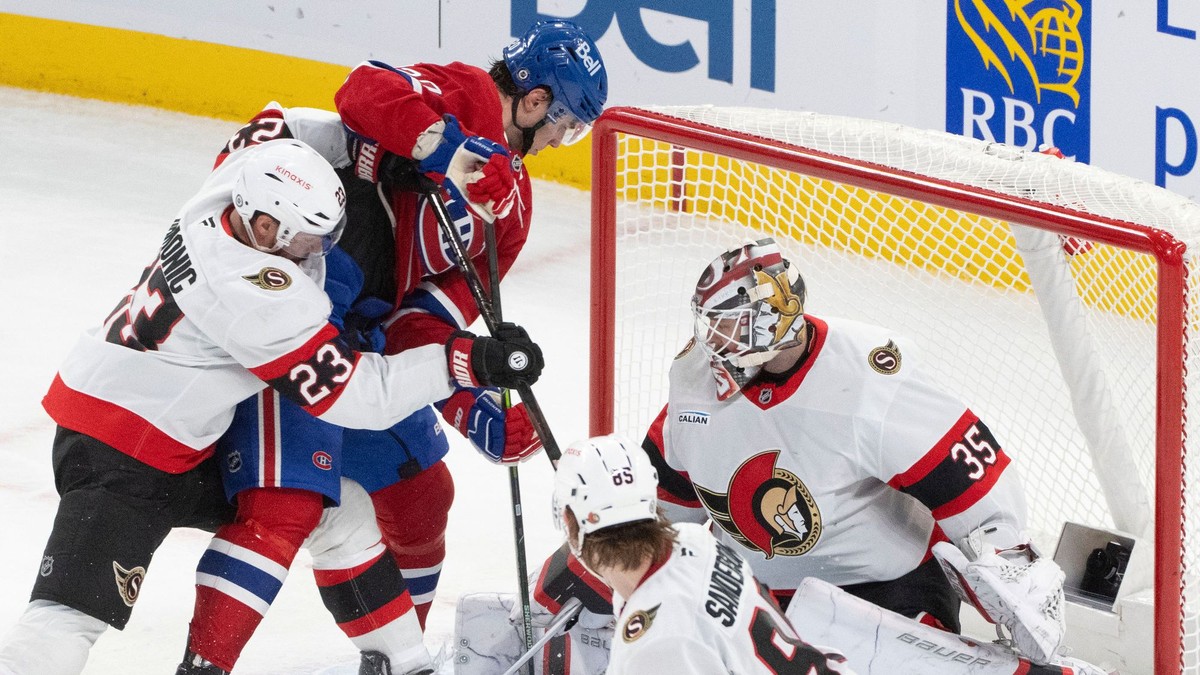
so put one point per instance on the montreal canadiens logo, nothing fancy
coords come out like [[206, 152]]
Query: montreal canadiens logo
[[639, 623], [767, 508], [270, 279], [885, 360], [322, 460]]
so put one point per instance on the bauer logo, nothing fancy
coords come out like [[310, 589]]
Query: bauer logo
[[1019, 72]]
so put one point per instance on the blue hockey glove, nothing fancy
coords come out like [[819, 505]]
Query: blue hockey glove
[[479, 166], [503, 436]]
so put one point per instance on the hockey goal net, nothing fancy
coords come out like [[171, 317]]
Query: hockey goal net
[[1056, 299]]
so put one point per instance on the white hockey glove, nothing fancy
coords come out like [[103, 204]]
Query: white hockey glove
[[1014, 587]]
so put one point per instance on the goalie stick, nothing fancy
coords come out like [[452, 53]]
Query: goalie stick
[[568, 611]]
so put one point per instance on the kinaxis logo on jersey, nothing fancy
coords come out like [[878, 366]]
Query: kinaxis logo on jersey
[[1019, 72]]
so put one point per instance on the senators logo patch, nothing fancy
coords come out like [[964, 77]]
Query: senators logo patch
[[885, 360], [129, 582], [767, 509], [686, 348], [270, 279], [637, 625]]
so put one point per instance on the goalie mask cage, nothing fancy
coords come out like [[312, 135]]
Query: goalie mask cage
[[1055, 298]]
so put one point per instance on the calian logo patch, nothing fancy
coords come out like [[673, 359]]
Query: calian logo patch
[[693, 417]]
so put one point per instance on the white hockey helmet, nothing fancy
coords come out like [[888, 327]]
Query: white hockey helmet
[[289, 181], [607, 481], [748, 306]]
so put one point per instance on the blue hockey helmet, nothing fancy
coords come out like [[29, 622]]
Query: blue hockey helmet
[[557, 54]]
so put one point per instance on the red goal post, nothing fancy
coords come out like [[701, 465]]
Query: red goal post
[[1081, 362]]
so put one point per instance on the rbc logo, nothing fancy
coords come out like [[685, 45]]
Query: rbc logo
[[1018, 72]]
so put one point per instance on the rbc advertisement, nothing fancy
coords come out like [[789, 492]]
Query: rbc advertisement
[[1020, 76]]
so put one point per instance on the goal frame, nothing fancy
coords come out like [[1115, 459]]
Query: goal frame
[[1167, 250]]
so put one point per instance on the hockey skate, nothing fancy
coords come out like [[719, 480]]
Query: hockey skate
[[375, 663], [194, 664]]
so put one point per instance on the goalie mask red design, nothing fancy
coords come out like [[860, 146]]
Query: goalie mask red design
[[748, 306]]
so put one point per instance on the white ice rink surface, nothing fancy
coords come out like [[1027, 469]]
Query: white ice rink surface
[[86, 190]]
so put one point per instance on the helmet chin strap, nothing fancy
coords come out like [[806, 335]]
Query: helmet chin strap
[[527, 133]]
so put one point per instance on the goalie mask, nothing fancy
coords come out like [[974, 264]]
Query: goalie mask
[[293, 184], [606, 481], [748, 306]]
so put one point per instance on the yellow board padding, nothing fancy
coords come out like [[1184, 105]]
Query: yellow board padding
[[189, 76], [938, 241]]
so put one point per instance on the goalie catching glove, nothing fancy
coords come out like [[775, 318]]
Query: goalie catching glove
[[503, 435], [509, 359], [1014, 587]]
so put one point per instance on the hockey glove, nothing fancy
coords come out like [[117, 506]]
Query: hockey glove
[[1013, 587], [478, 165], [509, 360], [503, 436], [372, 162]]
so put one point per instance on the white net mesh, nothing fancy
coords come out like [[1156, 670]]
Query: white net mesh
[[950, 279]]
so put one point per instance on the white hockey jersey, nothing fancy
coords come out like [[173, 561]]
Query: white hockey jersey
[[208, 323], [701, 611], [848, 470]]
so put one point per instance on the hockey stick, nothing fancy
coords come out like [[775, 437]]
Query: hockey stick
[[568, 611], [431, 189], [514, 476]]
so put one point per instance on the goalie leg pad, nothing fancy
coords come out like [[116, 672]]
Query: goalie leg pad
[[1025, 597], [489, 639], [876, 641]]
